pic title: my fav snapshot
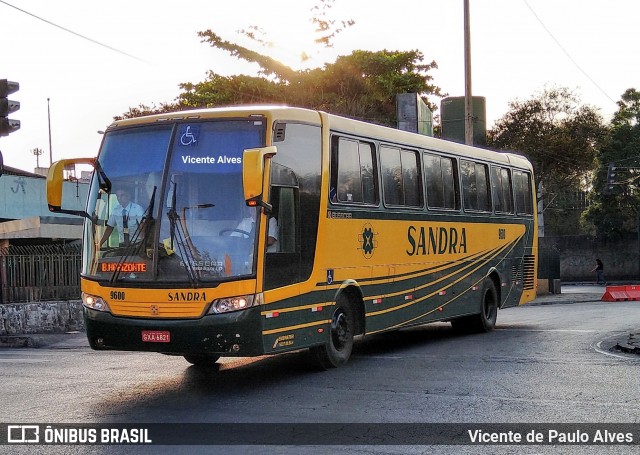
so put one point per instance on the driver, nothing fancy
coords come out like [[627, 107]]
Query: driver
[[247, 226], [126, 216]]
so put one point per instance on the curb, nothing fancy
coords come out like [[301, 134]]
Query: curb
[[16, 341], [566, 299]]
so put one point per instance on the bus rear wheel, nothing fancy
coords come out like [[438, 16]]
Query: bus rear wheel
[[204, 360], [485, 321], [337, 350]]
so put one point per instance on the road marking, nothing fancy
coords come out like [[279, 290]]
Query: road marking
[[625, 356]]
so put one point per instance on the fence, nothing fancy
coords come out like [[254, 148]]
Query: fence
[[40, 272]]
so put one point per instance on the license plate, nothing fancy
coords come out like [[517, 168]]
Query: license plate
[[156, 336]]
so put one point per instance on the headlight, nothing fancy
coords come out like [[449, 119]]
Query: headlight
[[94, 302], [240, 302]]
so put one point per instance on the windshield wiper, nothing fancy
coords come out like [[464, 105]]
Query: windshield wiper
[[184, 249]]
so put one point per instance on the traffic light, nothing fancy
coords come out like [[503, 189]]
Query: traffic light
[[611, 176], [611, 185], [8, 106]]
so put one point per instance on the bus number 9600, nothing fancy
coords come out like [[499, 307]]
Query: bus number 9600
[[117, 295]]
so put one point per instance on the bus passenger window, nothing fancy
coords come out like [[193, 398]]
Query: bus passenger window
[[475, 186], [400, 177], [502, 195], [442, 182], [354, 173], [411, 178], [523, 190], [367, 171]]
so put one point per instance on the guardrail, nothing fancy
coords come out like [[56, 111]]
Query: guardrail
[[40, 272]]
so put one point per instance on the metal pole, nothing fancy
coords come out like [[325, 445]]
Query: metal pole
[[49, 117], [468, 99]]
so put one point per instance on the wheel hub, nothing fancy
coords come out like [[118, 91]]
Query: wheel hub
[[339, 330]]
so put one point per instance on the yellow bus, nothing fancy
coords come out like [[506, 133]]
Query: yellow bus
[[255, 230]]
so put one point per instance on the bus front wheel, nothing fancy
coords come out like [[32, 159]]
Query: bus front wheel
[[337, 350]]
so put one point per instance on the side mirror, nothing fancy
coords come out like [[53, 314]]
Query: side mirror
[[256, 164], [55, 179]]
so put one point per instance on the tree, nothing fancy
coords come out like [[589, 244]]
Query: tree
[[560, 137], [613, 212], [362, 85]]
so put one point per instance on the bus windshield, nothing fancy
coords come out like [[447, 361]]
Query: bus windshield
[[167, 204]]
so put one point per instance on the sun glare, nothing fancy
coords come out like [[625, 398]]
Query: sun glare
[[295, 46], [293, 41]]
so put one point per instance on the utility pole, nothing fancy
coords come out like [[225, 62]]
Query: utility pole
[[49, 117], [468, 99]]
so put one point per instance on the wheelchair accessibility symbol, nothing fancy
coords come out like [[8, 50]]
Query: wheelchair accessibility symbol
[[189, 135]]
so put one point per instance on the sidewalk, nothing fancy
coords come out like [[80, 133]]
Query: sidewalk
[[572, 293]]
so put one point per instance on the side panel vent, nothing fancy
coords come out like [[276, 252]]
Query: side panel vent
[[529, 272]]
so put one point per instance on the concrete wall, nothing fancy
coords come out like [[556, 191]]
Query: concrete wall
[[578, 255], [41, 317], [25, 197]]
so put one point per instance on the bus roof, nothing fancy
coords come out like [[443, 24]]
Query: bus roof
[[387, 134], [337, 123]]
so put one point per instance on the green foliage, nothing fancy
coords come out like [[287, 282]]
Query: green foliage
[[613, 213], [326, 27], [558, 135], [561, 138], [362, 85]]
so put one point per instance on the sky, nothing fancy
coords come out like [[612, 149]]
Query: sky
[[92, 61]]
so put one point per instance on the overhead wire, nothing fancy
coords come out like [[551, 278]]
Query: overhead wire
[[562, 48], [72, 32]]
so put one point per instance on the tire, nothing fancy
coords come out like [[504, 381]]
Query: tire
[[337, 350], [204, 360], [485, 320]]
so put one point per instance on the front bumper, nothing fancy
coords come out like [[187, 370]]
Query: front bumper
[[237, 333]]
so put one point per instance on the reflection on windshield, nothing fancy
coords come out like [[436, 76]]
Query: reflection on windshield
[[186, 223]]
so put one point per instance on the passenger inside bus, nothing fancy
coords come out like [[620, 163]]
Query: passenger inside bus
[[126, 216]]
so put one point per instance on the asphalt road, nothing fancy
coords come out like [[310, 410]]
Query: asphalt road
[[547, 363]]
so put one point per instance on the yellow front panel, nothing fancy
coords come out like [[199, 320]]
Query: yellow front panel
[[165, 303]]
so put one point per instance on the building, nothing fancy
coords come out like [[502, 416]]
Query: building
[[24, 214], [39, 251]]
